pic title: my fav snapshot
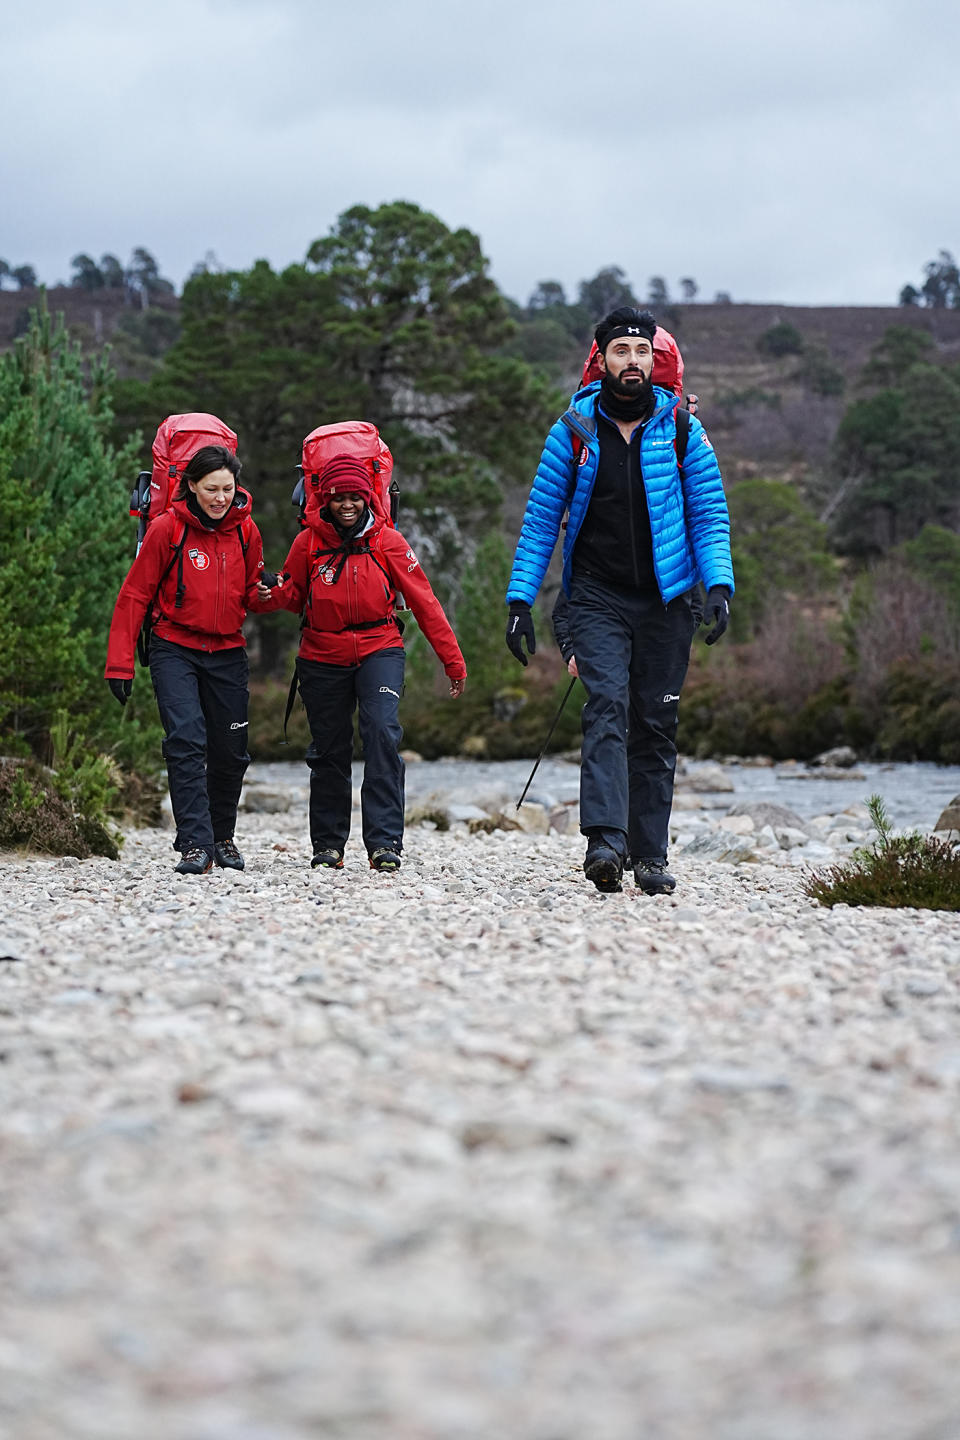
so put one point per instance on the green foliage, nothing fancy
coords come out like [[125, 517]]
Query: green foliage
[[779, 549], [394, 319], [818, 373], [35, 814], [899, 453], [900, 347], [920, 871], [918, 711], [608, 290], [480, 618], [781, 339], [941, 285], [934, 556], [65, 545]]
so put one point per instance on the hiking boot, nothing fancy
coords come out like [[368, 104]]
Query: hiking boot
[[327, 860], [653, 877], [604, 867], [194, 862], [385, 859], [227, 856]]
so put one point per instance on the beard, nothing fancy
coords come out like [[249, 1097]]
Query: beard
[[627, 397], [629, 386]]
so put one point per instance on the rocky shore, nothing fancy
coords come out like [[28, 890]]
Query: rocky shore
[[473, 1151]]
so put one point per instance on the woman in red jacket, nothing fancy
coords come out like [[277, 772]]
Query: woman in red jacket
[[344, 571], [197, 573]]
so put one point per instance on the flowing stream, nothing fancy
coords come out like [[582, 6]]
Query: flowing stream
[[914, 794]]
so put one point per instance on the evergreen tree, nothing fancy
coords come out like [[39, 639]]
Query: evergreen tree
[[65, 538], [898, 453], [392, 319]]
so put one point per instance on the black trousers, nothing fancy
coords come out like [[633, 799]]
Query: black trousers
[[331, 694], [632, 653], [203, 698]]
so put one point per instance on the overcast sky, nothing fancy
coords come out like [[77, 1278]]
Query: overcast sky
[[781, 151]]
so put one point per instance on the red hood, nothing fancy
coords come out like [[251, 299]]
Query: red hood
[[240, 510]]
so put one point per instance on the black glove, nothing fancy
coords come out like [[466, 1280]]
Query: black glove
[[520, 628], [120, 690], [717, 612], [268, 578]]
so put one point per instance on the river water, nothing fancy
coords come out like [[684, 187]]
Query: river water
[[914, 794]]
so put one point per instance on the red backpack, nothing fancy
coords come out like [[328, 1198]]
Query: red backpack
[[361, 441], [178, 440], [667, 363]]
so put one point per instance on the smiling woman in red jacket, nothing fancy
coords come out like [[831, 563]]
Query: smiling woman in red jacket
[[196, 573], [344, 571]]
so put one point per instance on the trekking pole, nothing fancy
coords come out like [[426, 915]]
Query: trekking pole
[[556, 721]]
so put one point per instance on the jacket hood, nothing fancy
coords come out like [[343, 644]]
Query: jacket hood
[[241, 509]]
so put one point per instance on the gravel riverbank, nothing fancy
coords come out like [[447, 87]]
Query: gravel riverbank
[[473, 1151]]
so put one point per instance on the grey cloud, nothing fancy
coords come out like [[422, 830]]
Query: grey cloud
[[779, 152]]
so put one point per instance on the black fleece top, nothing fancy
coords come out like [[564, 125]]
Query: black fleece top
[[614, 544]]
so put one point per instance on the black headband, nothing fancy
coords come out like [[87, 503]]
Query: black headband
[[646, 331]]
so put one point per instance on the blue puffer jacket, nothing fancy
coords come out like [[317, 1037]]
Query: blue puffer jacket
[[689, 523]]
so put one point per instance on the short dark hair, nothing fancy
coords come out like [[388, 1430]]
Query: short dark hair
[[207, 459], [625, 319]]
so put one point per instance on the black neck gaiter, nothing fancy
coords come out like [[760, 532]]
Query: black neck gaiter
[[207, 521], [619, 406]]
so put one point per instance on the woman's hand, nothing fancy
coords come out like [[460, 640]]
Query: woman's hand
[[268, 580], [457, 688]]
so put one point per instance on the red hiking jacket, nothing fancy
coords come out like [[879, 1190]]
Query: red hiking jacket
[[362, 594], [219, 584]]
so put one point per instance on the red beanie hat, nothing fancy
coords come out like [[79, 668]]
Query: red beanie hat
[[345, 475]]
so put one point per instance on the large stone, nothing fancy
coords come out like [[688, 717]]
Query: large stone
[[706, 780], [765, 812], [841, 757], [265, 800], [737, 824], [950, 816], [533, 819], [721, 845]]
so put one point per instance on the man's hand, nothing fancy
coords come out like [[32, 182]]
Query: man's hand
[[716, 612], [572, 667], [120, 690], [520, 628], [457, 687]]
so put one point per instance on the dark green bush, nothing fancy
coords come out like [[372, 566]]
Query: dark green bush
[[781, 339], [914, 870]]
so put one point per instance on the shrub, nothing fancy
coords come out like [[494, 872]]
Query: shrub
[[781, 339], [35, 813], [914, 870], [818, 372]]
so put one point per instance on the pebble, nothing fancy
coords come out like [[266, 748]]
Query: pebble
[[472, 1150]]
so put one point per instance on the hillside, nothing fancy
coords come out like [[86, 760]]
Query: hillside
[[764, 417]]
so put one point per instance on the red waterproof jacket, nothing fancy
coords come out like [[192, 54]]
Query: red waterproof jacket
[[349, 600], [219, 584]]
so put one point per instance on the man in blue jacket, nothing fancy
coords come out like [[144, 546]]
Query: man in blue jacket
[[643, 531]]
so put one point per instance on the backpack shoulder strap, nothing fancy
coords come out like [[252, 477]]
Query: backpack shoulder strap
[[244, 533], [575, 423], [682, 415], [178, 540]]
